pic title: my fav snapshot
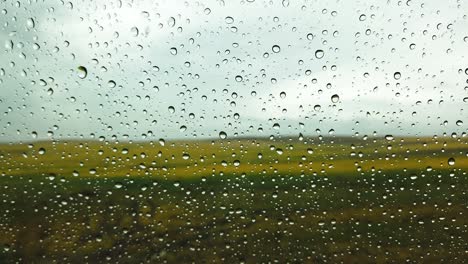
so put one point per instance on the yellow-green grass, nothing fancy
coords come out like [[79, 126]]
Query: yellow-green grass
[[194, 159]]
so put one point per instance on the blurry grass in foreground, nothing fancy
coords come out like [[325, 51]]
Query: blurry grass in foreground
[[249, 200]]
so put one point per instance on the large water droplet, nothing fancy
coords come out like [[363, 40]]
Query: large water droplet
[[229, 20], [82, 72], [451, 161], [319, 54], [335, 98], [276, 48], [30, 23], [171, 22], [111, 84], [135, 31], [222, 135]]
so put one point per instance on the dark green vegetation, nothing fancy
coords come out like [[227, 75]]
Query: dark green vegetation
[[351, 201]]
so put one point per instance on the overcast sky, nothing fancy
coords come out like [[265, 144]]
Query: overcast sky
[[174, 69]]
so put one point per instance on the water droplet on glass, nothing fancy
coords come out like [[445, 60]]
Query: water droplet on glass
[[8, 44], [239, 78], [82, 72], [335, 98], [173, 51], [451, 161], [283, 95], [276, 48], [42, 151], [30, 23], [459, 123], [171, 109], [319, 54], [135, 31], [171, 22], [111, 84], [397, 75], [229, 20], [222, 135]]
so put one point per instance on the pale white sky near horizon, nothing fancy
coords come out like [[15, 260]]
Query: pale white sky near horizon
[[226, 75]]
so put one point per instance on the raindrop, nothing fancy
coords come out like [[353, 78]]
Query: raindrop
[[451, 161], [135, 31], [222, 135], [30, 23], [319, 54], [82, 72], [283, 95], [171, 22], [239, 78], [173, 51], [171, 109], [459, 123], [229, 20], [111, 84], [42, 151], [335, 98], [389, 137], [397, 75], [276, 48]]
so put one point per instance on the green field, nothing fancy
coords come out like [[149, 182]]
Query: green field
[[288, 200]]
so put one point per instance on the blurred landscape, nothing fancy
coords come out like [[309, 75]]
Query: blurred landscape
[[247, 200]]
